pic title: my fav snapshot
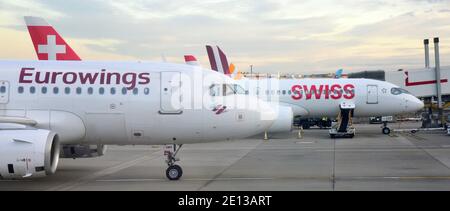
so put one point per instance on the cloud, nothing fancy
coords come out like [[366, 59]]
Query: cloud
[[283, 35], [13, 11]]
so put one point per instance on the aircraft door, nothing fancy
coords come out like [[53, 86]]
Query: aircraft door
[[372, 94], [4, 92], [171, 93]]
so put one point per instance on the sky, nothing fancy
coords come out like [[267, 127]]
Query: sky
[[286, 36]]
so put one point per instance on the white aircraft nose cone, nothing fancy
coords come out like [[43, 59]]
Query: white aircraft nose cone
[[267, 114], [414, 104], [419, 104]]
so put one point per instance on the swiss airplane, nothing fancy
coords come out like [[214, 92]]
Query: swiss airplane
[[325, 97], [80, 107]]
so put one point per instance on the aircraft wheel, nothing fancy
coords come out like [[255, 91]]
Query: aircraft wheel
[[386, 131], [174, 172], [332, 136]]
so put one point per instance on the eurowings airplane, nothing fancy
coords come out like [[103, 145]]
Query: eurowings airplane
[[325, 97], [39, 28], [47, 106]]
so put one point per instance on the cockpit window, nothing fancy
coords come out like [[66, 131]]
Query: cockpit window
[[215, 90], [399, 91], [239, 90], [226, 90]]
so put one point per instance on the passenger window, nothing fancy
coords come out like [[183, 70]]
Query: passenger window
[[101, 90], [278, 92], [240, 90], [2, 89], [124, 91], [113, 91], [90, 90], [67, 90], [20, 89], [79, 90], [284, 92], [44, 90], [32, 90], [55, 90], [135, 91], [146, 91]]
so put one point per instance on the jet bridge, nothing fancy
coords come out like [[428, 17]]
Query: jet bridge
[[344, 126]]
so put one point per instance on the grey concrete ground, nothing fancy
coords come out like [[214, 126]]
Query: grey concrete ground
[[370, 161]]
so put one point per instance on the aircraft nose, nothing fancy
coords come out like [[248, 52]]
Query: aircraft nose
[[414, 104], [267, 115]]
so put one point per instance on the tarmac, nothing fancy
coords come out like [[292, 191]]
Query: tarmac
[[315, 162]]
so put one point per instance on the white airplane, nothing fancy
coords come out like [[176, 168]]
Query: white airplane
[[45, 105], [42, 34], [326, 97]]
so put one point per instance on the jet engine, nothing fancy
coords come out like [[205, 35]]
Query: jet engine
[[28, 153], [82, 151]]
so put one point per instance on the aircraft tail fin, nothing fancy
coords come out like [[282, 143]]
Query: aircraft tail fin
[[191, 60], [218, 59], [48, 44], [338, 73]]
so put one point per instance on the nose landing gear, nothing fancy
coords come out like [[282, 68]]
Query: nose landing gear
[[385, 129], [173, 172]]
